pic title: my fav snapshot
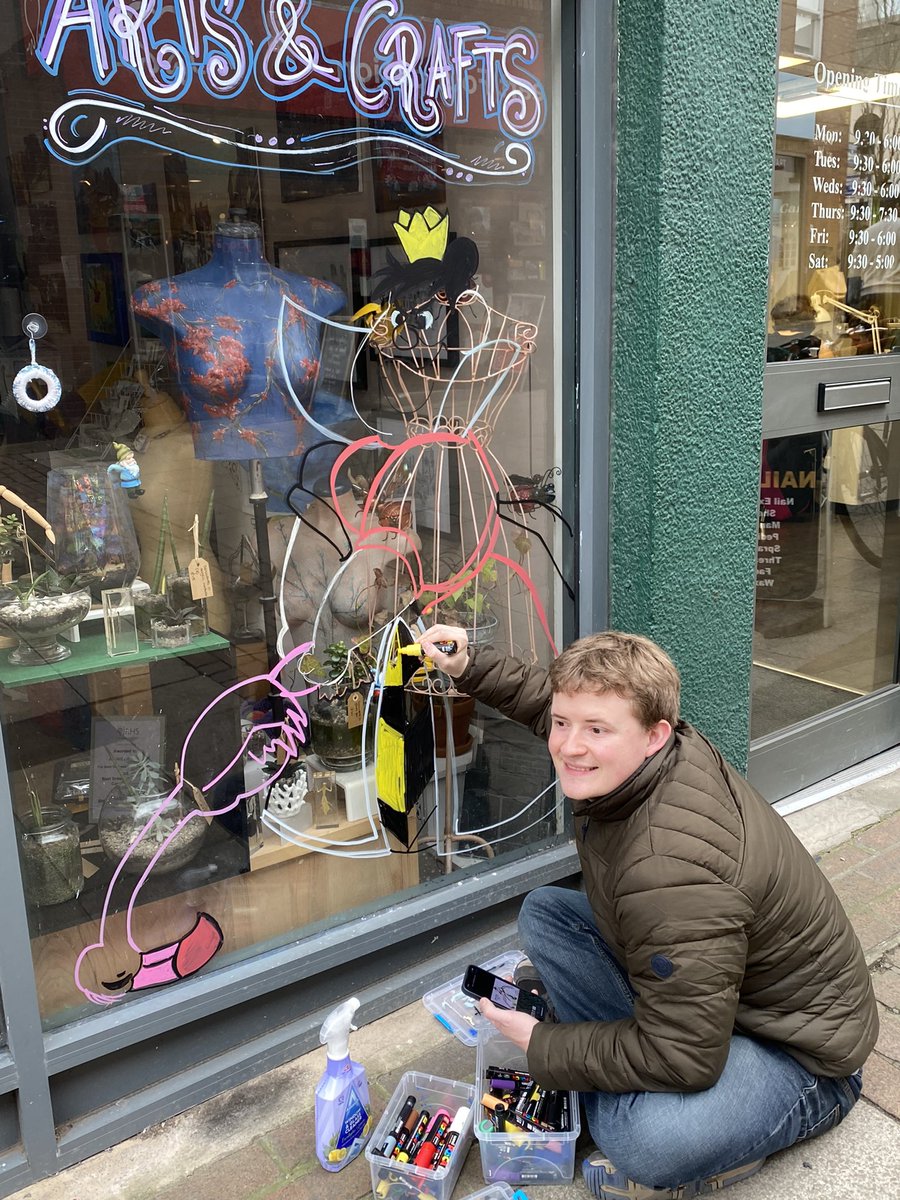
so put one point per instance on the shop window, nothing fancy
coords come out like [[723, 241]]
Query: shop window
[[834, 284], [280, 370], [808, 28]]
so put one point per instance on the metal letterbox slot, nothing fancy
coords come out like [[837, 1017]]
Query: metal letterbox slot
[[836, 396]]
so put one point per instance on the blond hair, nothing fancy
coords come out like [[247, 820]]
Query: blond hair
[[624, 663]]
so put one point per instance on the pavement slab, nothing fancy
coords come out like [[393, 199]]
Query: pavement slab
[[256, 1142]]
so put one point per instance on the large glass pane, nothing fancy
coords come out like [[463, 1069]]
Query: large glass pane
[[834, 288], [828, 572], [294, 269]]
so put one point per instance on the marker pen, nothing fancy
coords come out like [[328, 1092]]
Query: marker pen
[[406, 1133], [415, 648], [416, 1138], [506, 1073], [393, 1137], [436, 1132], [456, 1128]]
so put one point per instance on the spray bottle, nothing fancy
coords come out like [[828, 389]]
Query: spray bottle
[[343, 1123]]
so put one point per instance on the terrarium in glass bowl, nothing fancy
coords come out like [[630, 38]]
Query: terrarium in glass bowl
[[149, 813]]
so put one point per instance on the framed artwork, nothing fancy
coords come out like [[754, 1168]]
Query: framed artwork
[[400, 183], [298, 186], [322, 258], [104, 298]]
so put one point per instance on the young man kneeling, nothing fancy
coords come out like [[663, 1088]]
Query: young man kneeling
[[713, 1003]]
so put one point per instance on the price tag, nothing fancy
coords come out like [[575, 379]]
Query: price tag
[[200, 578], [354, 710], [198, 568]]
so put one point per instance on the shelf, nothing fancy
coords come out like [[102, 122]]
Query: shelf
[[275, 850], [90, 656]]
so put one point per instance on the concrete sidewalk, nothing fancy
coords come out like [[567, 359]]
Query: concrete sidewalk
[[256, 1142]]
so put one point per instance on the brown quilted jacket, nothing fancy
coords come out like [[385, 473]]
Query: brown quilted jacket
[[717, 912]]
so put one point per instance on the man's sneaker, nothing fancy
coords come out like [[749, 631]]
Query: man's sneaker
[[525, 976], [607, 1183]]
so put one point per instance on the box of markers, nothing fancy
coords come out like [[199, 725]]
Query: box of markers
[[456, 1011], [421, 1142], [526, 1133]]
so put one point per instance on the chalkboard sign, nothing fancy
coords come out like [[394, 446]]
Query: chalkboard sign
[[113, 741]]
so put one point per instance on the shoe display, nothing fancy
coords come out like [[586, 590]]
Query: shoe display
[[607, 1183]]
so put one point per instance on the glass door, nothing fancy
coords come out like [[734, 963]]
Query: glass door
[[825, 675]]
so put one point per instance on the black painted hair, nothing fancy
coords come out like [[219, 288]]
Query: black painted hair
[[453, 274]]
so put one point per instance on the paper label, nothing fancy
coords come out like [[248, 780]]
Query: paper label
[[201, 580], [354, 710]]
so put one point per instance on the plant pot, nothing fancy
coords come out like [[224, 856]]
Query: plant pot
[[337, 738], [170, 637], [461, 710], [123, 816], [147, 606], [480, 630], [178, 591], [50, 854], [38, 623]]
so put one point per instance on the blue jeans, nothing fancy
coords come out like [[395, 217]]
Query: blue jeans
[[763, 1101]]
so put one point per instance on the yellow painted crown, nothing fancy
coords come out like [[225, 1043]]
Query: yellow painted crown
[[423, 235]]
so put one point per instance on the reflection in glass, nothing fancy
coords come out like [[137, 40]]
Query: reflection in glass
[[834, 286], [828, 572]]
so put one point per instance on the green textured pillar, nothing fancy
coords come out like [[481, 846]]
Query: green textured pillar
[[695, 127]]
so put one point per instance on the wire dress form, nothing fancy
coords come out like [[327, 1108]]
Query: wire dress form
[[448, 371]]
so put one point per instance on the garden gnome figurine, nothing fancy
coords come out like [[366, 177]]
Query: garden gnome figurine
[[127, 469]]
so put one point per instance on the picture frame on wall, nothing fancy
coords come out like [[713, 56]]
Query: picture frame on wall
[[297, 185], [319, 258], [399, 182], [105, 312]]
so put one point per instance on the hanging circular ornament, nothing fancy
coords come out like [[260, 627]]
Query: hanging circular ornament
[[35, 326]]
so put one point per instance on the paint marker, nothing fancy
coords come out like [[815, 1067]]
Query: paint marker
[[406, 1133], [416, 648], [506, 1073], [436, 1132], [393, 1137], [416, 1138], [456, 1128]]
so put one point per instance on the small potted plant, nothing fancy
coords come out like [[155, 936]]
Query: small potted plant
[[469, 606], [39, 608], [50, 853], [149, 795], [171, 627], [148, 606], [344, 676]]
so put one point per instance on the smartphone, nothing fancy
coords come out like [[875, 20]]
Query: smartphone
[[478, 982]]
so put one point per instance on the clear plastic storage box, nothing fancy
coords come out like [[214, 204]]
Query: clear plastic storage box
[[456, 1011], [520, 1158], [496, 1191], [432, 1093]]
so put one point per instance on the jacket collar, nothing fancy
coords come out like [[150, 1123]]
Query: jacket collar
[[630, 795]]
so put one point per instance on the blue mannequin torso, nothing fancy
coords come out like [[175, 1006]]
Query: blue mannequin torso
[[219, 324]]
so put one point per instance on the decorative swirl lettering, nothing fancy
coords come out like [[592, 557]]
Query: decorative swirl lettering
[[291, 58], [405, 41], [522, 110], [224, 71], [162, 66]]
